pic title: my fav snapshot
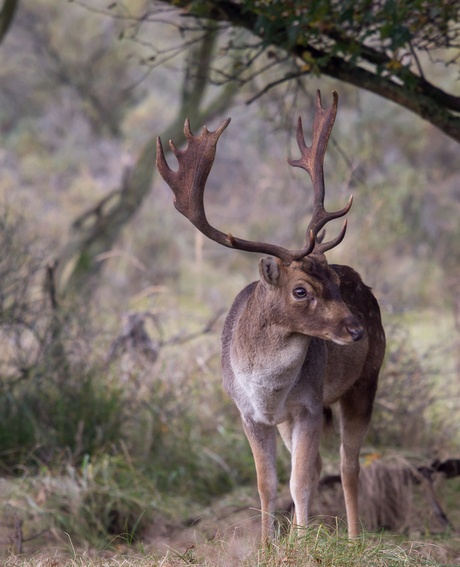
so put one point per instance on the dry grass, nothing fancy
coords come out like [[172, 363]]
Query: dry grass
[[308, 547], [227, 534]]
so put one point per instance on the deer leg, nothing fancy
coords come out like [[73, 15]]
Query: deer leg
[[306, 462], [285, 430], [262, 439], [356, 411]]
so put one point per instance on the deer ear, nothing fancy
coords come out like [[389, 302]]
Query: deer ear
[[269, 271]]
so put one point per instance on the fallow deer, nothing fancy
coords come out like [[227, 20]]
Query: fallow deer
[[304, 336]]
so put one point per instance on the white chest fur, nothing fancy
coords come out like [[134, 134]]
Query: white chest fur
[[264, 378]]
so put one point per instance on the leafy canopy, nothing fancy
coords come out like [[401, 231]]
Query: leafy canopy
[[379, 45]]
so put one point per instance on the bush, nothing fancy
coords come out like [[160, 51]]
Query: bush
[[409, 412], [53, 396]]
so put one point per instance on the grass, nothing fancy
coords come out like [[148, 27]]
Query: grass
[[109, 509], [313, 546], [317, 546]]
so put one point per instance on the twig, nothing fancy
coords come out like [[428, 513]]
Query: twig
[[135, 336], [435, 504], [38, 534], [51, 284], [274, 84], [420, 70], [17, 538], [179, 340]]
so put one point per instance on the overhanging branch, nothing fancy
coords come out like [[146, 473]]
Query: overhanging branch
[[421, 97], [6, 16], [424, 102]]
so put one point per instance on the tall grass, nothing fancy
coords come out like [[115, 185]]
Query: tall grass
[[104, 462]]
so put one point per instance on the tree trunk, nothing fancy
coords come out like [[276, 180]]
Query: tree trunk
[[97, 229]]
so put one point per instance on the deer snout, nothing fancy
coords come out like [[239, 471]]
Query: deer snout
[[355, 328]]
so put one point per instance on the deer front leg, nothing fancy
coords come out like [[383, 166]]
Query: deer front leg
[[306, 462], [262, 439]]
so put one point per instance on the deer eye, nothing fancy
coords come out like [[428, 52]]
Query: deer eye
[[300, 293]]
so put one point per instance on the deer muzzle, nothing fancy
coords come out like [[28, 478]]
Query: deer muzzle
[[355, 328]]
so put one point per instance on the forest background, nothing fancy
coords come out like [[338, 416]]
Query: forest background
[[113, 425]]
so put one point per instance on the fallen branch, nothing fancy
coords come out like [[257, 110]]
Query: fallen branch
[[421, 475], [18, 537], [450, 468], [134, 337]]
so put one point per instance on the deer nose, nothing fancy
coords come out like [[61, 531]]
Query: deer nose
[[355, 329]]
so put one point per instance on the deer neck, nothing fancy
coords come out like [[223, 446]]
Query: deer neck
[[266, 360], [264, 349]]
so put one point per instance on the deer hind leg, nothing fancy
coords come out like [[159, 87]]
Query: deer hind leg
[[285, 430], [262, 439], [356, 411]]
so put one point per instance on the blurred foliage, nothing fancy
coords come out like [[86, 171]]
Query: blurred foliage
[[393, 24], [58, 396], [97, 229], [75, 60], [407, 410], [50, 398]]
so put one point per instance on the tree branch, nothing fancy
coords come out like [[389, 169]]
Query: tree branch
[[414, 93], [426, 104], [7, 16], [97, 229]]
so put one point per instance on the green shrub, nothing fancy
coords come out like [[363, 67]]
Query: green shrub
[[40, 419]]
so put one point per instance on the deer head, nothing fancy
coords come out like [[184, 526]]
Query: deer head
[[304, 286]]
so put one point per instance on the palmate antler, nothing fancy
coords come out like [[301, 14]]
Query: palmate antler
[[188, 184], [195, 162]]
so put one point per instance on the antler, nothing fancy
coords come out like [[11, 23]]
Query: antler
[[188, 185], [312, 161], [195, 163]]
